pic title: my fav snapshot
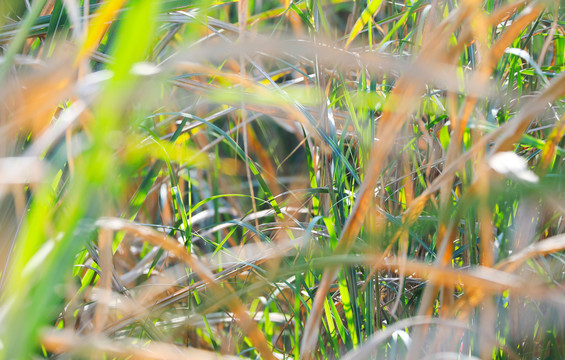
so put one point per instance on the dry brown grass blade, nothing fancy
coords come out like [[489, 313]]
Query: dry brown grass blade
[[162, 240], [28, 104], [403, 100], [241, 254], [497, 17], [311, 330], [548, 246], [506, 133], [527, 16], [481, 77], [479, 284], [393, 120], [549, 39], [550, 148], [330, 57], [97, 347], [489, 60], [488, 313], [21, 170], [248, 325], [401, 103], [367, 350], [482, 74], [516, 127], [485, 279], [161, 303], [403, 237]]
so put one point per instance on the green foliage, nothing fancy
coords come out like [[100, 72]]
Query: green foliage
[[331, 179]]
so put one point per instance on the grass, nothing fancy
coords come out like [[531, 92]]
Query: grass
[[282, 180]]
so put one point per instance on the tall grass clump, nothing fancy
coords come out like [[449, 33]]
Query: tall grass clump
[[318, 179]]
